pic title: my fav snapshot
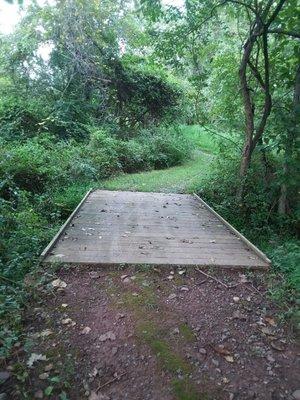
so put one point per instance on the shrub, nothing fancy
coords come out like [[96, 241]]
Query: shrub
[[102, 150], [133, 155], [258, 220], [166, 147]]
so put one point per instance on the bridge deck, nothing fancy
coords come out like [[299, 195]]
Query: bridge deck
[[150, 228]]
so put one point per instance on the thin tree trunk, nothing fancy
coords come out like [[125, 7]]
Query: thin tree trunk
[[249, 117]]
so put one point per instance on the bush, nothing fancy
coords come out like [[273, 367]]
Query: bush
[[102, 151], [166, 147], [133, 155], [258, 220]]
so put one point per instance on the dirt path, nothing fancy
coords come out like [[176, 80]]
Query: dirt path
[[154, 334]]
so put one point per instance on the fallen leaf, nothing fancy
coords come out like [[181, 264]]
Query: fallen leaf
[[267, 331], [44, 375], [229, 359], [277, 346], [238, 315], [270, 321], [184, 289], [86, 330], [221, 349], [243, 278], [34, 358], [45, 333], [94, 372], [107, 336], [58, 283], [67, 321], [48, 367]]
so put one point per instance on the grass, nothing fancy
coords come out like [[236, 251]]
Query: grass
[[201, 137], [184, 390], [173, 180], [187, 332], [180, 179]]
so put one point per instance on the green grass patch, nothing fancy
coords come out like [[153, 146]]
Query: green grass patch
[[144, 299], [185, 390], [150, 333], [178, 179], [186, 332], [201, 138]]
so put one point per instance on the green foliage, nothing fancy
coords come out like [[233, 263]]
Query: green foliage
[[145, 96], [103, 151], [258, 219], [37, 192]]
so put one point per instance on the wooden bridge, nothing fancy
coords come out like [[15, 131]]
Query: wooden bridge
[[111, 227]]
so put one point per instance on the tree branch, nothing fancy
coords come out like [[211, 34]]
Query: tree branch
[[282, 32], [257, 75], [268, 99], [275, 13]]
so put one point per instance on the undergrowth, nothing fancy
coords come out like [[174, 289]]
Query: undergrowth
[[42, 181]]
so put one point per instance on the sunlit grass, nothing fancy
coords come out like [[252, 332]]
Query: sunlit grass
[[178, 179]]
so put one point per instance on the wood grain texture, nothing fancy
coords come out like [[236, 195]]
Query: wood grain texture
[[113, 227]]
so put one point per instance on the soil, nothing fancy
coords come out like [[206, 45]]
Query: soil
[[149, 333]]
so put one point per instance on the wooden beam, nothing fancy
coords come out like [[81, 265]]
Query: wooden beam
[[63, 228]]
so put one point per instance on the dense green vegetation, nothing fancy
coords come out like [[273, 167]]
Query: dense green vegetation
[[205, 98]]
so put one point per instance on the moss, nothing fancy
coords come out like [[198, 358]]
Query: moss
[[186, 332], [172, 361], [185, 390], [150, 333], [146, 298]]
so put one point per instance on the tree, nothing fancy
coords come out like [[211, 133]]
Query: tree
[[261, 20], [260, 27]]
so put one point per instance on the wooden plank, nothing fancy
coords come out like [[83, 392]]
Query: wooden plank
[[93, 241], [83, 258], [225, 250]]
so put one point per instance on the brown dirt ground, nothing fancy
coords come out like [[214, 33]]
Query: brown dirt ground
[[185, 338]]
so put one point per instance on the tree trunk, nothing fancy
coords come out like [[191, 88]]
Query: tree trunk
[[244, 166]]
